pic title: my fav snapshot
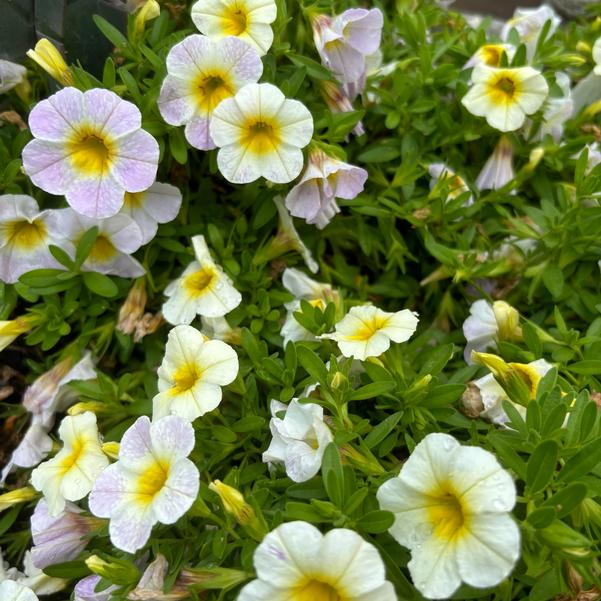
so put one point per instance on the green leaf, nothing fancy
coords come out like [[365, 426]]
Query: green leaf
[[553, 279], [314, 69], [587, 367], [100, 284], [333, 475], [61, 256], [567, 499], [110, 31], [312, 363], [582, 462], [542, 517], [375, 522], [370, 391], [541, 465], [68, 569], [382, 430], [85, 245]]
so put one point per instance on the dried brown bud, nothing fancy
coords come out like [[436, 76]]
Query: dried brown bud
[[472, 401]]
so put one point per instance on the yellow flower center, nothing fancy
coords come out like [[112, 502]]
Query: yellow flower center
[[91, 152], [133, 200], [369, 328], [24, 235], [199, 282], [447, 514], [103, 249], [72, 458], [186, 377], [260, 137], [315, 590], [210, 89], [151, 481], [504, 88], [234, 20], [491, 54]]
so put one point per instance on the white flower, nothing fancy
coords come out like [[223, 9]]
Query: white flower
[[594, 156], [192, 373], [303, 287], [37, 581], [451, 505], [296, 561], [597, 56], [33, 448], [69, 475], [557, 110], [249, 20], [15, 591], [299, 438], [260, 133], [153, 481], [443, 175], [367, 331], [217, 328], [11, 75], [498, 169], [505, 96], [491, 55], [529, 22], [202, 289], [159, 204]]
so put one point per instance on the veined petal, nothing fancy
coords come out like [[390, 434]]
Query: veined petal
[[54, 119]]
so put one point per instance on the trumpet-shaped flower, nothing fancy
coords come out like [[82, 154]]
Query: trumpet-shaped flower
[[367, 331], [260, 133], [557, 110], [324, 180], [344, 42], [302, 287], [11, 590], [90, 147], [200, 74], [444, 177], [299, 438], [491, 55], [498, 169], [192, 373], [153, 481], [489, 323], [505, 96], [597, 56], [69, 475], [11, 75], [529, 22], [159, 204], [296, 561], [202, 289], [25, 234], [249, 20], [47, 56], [118, 237], [451, 505]]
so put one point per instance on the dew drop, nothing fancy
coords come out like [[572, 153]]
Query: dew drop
[[498, 504]]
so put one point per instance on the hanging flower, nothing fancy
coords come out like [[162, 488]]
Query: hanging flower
[[491, 55], [529, 23], [367, 331], [444, 177], [296, 561], [69, 475], [15, 591], [249, 20], [11, 75], [324, 180], [451, 505], [46, 55], [299, 438], [192, 373], [153, 481], [159, 204], [89, 146], [498, 169], [25, 233], [202, 289], [505, 96], [201, 73], [260, 133]]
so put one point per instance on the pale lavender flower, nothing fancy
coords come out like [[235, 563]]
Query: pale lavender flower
[[85, 590]]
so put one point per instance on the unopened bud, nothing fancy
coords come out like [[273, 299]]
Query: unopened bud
[[536, 156], [93, 406], [50, 59], [118, 571], [211, 578], [148, 11], [508, 321], [233, 502], [17, 496]]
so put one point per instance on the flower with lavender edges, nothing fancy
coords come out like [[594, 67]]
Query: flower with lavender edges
[[85, 590], [200, 74], [89, 147], [325, 179], [152, 482]]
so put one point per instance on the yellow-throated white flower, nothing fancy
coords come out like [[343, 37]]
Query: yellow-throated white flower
[[451, 505], [529, 23], [249, 20], [192, 373], [505, 96], [202, 289], [491, 55], [367, 331], [297, 562], [260, 133]]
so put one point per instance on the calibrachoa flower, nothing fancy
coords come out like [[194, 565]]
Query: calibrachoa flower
[[69, 475], [296, 561], [159, 204], [597, 56], [498, 169], [325, 179], [344, 41], [192, 373], [299, 440], [488, 323], [529, 22], [367, 331], [491, 55], [25, 233], [90, 147], [249, 20], [218, 328], [505, 96], [11, 75], [451, 505], [200, 74], [260, 133], [85, 590], [444, 176], [338, 102], [118, 237], [202, 289], [15, 591], [153, 481], [557, 110]]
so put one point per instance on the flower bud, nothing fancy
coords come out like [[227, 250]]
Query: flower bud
[[9, 330], [233, 502], [93, 406], [49, 58], [508, 321], [19, 495], [211, 578], [148, 11], [118, 571], [111, 449]]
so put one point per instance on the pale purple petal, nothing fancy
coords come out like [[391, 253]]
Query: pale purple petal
[[136, 166], [350, 182], [54, 119], [176, 101], [130, 528], [84, 590], [304, 200], [136, 443], [96, 197], [241, 59], [363, 28], [172, 436], [47, 165], [198, 135], [108, 491], [117, 117]]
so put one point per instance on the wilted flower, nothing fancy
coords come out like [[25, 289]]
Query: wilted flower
[[339, 102], [11, 75], [367, 331], [529, 22], [69, 475], [490, 55], [505, 96], [296, 561], [192, 373], [445, 177], [201, 73], [152, 584], [132, 309], [451, 505], [249, 20], [153, 481], [90, 147], [260, 133], [299, 438], [498, 169], [15, 591], [597, 56], [202, 289], [325, 179], [25, 233], [46, 55]]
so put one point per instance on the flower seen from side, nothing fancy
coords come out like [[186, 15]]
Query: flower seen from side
[[152, 482], [339, 102], [451, 505], [529, 22], [11, 75], [491, 55], [444, 178], [498, 169]]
